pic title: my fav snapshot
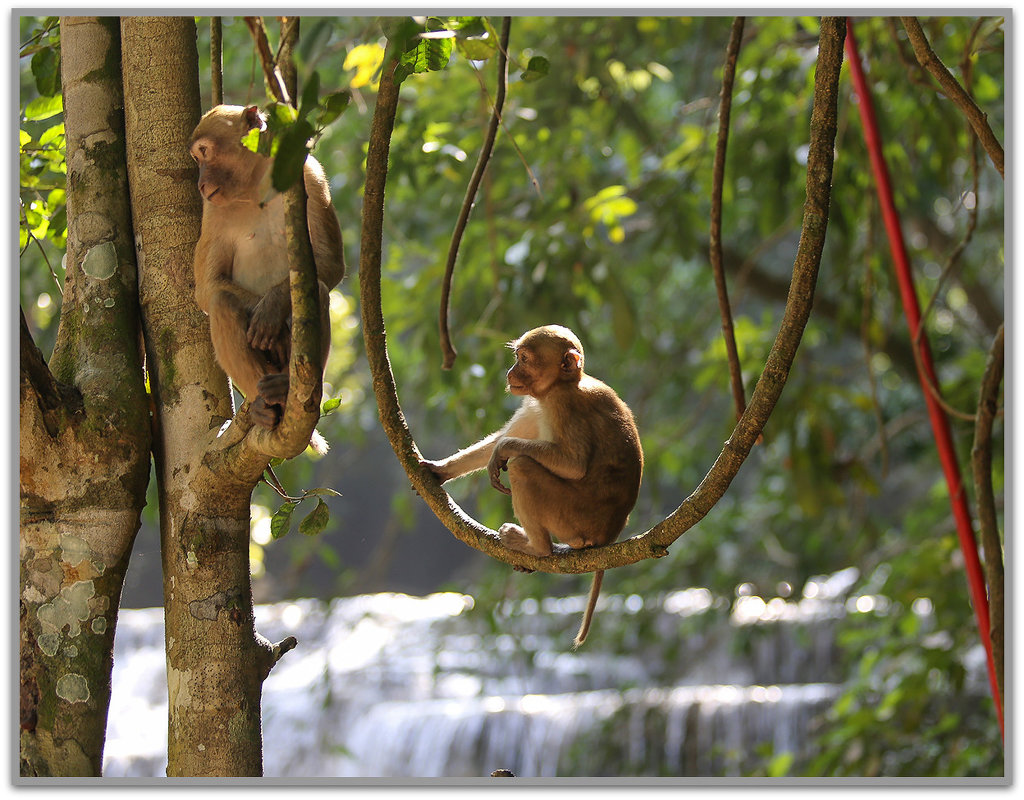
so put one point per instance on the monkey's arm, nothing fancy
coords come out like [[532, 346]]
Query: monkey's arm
[[212, 268], [269, 318], [525, 422], [566, 460]]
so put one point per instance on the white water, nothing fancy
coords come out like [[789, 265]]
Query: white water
[[389, 685]]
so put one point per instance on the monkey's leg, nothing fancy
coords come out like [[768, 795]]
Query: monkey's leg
[[273, 386], [229, 321], [534, 489], [228, 324]]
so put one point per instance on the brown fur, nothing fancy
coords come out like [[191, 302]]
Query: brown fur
[[241, 259], [572, 452]]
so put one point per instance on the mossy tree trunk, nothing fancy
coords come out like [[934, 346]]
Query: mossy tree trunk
[[216, 662], [85, 432]]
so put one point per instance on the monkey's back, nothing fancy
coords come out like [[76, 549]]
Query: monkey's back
[[617, 458]]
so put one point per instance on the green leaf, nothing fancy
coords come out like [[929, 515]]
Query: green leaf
[[780, 765], [280, 116], [251, 141], [52, 134], [316, 520], [44, 108], [537, 68], [477, 49], [330, 404], [431, 54], [334, 105], [467, 26], [310, 95], [46, 71], [323, 491], [291, 155], [281, 522]]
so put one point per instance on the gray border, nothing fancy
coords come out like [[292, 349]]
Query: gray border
[[383, 785]]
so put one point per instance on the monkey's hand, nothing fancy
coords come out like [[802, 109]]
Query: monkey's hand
[[268, 323], [497, 464], [435, 467]]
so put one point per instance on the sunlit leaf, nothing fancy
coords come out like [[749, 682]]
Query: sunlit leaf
[[280, 522], [365, 59], [44, 108]]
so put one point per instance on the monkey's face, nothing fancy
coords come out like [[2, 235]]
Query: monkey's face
[[536, 370], [228, 171]]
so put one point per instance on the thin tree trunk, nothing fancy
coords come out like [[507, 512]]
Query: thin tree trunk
[[216, 662], [85, 433]]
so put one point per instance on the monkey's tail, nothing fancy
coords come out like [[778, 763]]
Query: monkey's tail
[[319, 443], [595, 590]]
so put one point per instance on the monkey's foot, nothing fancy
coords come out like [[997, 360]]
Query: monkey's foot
[[515, 538], [263, 414], [273, 388]]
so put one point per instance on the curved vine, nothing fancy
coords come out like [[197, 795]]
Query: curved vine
[[654, 542]]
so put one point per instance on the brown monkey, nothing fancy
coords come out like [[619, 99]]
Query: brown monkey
[[572, 452], [241, 259]]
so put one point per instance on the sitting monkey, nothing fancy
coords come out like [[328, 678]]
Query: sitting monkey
[[241, 259], [572, 452]]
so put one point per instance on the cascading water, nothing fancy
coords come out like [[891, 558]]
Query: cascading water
[[389, 685]]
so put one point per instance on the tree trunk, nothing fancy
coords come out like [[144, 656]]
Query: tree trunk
[[215, 660], [85, 433]]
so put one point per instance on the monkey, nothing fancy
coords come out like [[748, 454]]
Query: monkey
[[572, 452], [241, 258]]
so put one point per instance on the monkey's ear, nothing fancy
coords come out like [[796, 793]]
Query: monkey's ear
[[254, 119], [572, 362]]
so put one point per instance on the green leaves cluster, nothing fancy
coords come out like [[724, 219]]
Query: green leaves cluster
[[313, 523], [41, 147], [291, 133]]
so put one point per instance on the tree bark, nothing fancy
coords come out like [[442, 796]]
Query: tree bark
[[85, 432], [206, 469]]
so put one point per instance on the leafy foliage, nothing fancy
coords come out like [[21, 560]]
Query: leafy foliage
[[594, 213]]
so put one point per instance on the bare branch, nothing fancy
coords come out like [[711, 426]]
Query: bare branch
[[981, 464], [718, 175], [216, 61], [474, 184], [954, 91], [271, 72]]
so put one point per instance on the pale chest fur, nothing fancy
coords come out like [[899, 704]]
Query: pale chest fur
[[259, 246], [540, 424]]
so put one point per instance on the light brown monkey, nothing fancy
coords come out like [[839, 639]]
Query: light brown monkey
[[572, 452], [241, 259]]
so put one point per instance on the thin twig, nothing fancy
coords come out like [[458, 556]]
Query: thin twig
[[718, 175], [954, 91], [42, 251], [972, 221], [508, 133], [216, 60], [988, 526], [474, 183]]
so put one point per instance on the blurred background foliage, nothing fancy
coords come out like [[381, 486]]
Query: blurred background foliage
[[596, 217]]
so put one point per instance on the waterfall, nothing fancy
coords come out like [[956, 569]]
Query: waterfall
[[389, 685]]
